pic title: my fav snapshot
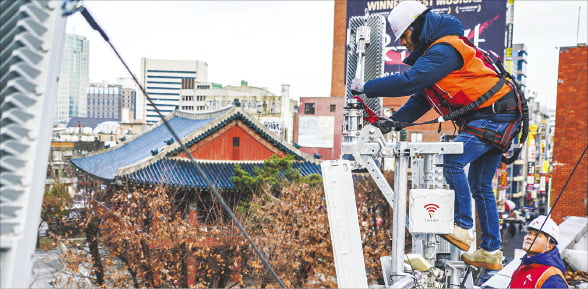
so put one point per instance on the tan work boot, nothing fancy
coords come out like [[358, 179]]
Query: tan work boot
[[481, 258], [460, 237]]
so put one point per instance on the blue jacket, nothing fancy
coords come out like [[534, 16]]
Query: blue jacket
[[551, 258], [427, 69]]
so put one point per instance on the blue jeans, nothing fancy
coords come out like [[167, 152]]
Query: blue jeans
[[483, 162]]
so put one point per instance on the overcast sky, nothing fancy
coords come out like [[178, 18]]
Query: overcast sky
[[269, 43]]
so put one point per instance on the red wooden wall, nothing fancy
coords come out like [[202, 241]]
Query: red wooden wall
[[220, 145]]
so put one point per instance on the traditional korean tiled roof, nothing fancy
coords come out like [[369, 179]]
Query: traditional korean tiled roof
[[183, 173], [150, 156]]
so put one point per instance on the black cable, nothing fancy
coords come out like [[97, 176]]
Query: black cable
[[97, 27], [561, 192], [555, 203]]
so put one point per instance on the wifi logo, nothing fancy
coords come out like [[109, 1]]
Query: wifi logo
[[431, 209]]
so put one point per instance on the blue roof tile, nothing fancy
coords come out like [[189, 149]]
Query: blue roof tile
[[183, 173], [105, 165]]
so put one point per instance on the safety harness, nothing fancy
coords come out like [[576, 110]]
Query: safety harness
[[513, 102]]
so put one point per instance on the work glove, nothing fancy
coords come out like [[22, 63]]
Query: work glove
[[357, 86], [387, 124]]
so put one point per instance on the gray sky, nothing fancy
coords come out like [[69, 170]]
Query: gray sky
[[544, 27], [269, 43], [266, 43]]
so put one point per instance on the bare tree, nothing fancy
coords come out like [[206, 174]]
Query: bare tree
[[143, 237]]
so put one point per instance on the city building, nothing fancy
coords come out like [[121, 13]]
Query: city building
[[162, 80], [68, 143], [318, 126], [512, 183], [131, 111], [289, 109], [519, 63], [73, 79], [128, 103], [274, 111], [570, 173], [104, 100], [530, 176], [112, 101]]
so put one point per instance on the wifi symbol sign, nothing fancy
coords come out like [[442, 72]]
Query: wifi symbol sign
[[431, 208]]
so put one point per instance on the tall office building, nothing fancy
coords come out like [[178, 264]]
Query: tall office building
[[73, 79], [129, 112], [104, 100], [517, 171], [519, 63], [128, 105], [162, 80]]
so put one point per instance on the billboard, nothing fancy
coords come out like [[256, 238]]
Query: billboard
[[484, 23], [316, 131]]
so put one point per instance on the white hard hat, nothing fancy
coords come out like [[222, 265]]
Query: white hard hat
[[403, 15], [550, 228]]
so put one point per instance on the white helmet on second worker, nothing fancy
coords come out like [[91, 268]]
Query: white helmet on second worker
[[403, 15], [550, 228]]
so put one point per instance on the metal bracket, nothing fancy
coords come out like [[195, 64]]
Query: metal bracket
[[373, 135]]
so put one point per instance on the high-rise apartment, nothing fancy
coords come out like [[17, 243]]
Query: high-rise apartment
[[162, 80], [73, 79]]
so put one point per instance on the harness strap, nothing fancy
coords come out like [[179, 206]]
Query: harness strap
[[501, 141], [507, 104], [463, 110], [489, 135], [548, 273]]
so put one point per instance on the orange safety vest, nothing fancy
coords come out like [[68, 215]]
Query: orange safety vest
[[462, 87], [533, 276]]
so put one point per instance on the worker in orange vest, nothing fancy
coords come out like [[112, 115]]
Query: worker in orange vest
[[448, 73]]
